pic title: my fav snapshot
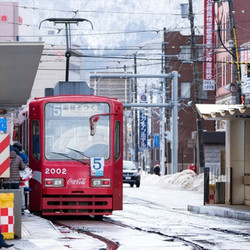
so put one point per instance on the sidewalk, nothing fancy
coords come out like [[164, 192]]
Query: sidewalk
[[39, 233], [241, 212]]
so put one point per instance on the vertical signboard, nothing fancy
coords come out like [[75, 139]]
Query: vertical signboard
[[156, 140], [143, 129], [143, 143], [208, 65], [245, 68]]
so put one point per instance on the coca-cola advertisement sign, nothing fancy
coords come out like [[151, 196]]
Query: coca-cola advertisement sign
[[76, 182]]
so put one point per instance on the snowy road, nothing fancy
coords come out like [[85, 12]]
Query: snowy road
[[155, 216], [155, 209]]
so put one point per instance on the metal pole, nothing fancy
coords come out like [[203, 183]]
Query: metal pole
[[148, 105], [169, 76], [98, 87], [200, 150], [162, 132], [167, 112], [175, 124], [236, 66], [206, 186], [11, 128], [68, 52], [136, 114]]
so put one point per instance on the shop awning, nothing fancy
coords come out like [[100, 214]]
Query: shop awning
[[18, 66], [223, 111]]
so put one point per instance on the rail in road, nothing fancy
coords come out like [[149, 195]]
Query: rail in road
[[145, 224], [118, 239]]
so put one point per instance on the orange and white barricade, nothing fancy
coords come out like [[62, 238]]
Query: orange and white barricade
[[7, 215]]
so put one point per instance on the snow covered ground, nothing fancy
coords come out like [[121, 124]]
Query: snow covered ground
[[186, 180]]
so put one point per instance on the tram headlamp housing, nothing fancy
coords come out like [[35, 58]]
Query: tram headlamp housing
[[100, 182], [54, 182]]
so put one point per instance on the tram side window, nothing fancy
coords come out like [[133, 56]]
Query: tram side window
[[117, 149], [36, 140]]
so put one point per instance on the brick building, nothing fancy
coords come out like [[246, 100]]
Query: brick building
[[178, 58], [226, 15]]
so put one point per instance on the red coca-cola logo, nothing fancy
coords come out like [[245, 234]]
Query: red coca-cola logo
[[79, 181]]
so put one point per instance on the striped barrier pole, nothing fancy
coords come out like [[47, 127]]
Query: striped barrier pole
[[4, 155]]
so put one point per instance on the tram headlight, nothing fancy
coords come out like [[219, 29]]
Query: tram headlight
[[54, 182], [100, 182]]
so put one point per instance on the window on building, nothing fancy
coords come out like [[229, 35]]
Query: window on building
[[203, 94], [185, 90], [200, 53], [185, 54]]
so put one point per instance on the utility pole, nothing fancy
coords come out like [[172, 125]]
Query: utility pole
[[235, 54], [167, 111], [174, 126], [136, 113], [197, 92], [162, 131]]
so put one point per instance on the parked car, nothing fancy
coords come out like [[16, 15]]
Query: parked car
[[131, 174]]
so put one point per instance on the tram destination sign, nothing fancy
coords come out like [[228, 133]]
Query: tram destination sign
[[75, 109]]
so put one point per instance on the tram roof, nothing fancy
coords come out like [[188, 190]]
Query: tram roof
[[18, 67]]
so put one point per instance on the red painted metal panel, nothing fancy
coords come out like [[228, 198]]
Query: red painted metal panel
[[77, 197]]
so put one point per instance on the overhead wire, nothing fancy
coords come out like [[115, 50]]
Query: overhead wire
[[107, 33]]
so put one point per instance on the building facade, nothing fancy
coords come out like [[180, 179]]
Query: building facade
[[179, 58], [9, 21], [232, 111]]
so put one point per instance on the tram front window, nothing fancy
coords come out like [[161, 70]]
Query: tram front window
[[67, 131]]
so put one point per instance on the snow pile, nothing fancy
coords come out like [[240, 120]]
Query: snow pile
[[185, 180]]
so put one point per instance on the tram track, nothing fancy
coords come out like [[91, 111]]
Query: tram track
[[113, 245], [175, 211], [170, 237], [169, 226], [189, 237]]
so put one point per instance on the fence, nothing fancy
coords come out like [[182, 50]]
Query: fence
[[214, 186]]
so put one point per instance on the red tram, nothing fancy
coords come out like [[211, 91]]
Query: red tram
[[75, 151]]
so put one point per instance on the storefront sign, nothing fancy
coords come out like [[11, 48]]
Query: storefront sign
[[208, 65]]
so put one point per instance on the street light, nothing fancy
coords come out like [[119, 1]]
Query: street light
[[67, 22]]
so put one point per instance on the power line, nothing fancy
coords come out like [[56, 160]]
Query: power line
[[101, 11]]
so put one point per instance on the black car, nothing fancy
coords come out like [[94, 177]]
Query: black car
[[131, 174]]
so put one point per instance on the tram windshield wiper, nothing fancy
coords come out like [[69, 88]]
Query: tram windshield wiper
[[79, 152], [65, 155]]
